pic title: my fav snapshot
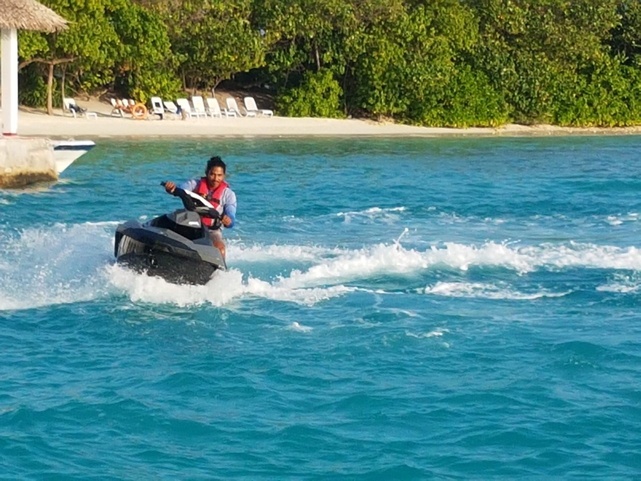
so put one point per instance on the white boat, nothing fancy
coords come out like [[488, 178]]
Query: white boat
[[66, 151]]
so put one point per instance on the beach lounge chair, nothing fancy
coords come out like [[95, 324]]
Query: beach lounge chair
[[172, 108], [233, 107], [124, 105], [199, 106], [69, 105], [157, 107], [250, 106], [214, 110], [116, 108], [185, 107]]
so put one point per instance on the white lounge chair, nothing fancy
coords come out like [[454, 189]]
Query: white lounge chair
[[69, 105], [233, 107], [157, 107], [185, 107], [214, 110], [172, 108], [199, 106], [126, 104], [116, 108], [250, 106]]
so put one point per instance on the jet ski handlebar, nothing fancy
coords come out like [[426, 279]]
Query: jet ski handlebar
[[205, 209]]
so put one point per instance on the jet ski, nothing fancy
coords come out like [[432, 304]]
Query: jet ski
[[174, 246]]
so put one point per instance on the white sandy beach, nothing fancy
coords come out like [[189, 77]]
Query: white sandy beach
[[33, 122]]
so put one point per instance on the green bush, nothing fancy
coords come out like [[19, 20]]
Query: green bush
[[604, 94], [148, 83], [318, 95], [470, 101], [32, 87]]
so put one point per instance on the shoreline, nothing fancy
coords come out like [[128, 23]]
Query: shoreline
[[36, 123]]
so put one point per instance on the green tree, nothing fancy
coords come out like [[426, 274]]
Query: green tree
[[108, 43], [86, 50], [626, 36], [144, 65], [318, 95], [212, 39], [405, 63], [534, 50]]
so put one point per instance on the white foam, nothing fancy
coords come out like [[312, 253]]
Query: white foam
[[436, 333], [486, 291], [439, 332], [529, 258], [110, 224], [576, 254], [371, 210], [381, 259], [271, 253], [295, 326], [378, 214], [67, 263], [623, 284], [221, 290], [619, 219], [224, 288], [619, 288], [57, 265], [333, 268]]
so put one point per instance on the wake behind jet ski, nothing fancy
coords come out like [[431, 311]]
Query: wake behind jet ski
[[175, 246]]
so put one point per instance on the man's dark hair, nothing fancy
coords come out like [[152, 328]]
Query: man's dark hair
[[215, 161]]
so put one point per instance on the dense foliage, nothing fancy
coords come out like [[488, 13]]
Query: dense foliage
[[439, 62]]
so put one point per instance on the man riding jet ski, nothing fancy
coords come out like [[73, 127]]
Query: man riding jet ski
[[177, 246], [217, 191]]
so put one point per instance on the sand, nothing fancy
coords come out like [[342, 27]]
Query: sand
[[34, 122]]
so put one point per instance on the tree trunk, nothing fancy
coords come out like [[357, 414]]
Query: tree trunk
[[62, 85], [317, 56], [50, 90]]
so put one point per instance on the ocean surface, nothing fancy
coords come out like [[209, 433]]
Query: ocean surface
[[395, 309]]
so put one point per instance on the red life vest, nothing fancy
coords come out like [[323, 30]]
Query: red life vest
[[212, 195]]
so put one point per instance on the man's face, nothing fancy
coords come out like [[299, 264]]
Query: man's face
[[215, 176]]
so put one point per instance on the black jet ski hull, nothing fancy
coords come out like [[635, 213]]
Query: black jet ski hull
[[160, 252], [157, 262]]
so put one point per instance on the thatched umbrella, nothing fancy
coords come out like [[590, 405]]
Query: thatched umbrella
[[19, 15], [29, 15]]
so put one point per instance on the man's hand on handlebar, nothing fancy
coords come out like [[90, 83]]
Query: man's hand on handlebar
[[170, 187], [224, 219]]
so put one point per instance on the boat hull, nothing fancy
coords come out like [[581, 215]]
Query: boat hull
[[66, 152]]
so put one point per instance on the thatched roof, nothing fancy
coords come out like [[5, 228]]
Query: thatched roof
[[29, 15]]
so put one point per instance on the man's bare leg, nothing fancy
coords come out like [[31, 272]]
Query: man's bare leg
[[220, 245]]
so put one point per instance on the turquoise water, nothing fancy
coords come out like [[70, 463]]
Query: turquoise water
[[395, 310]]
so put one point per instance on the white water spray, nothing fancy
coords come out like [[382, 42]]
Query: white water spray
[[397, 242]]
